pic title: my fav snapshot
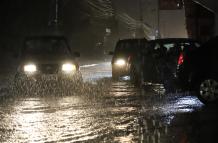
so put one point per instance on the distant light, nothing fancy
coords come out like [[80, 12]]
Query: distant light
[[178, 5], [134, 35], [108, 30]]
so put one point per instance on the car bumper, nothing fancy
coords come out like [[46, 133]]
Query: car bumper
[[183, 80], [121, 71], [48, 78]]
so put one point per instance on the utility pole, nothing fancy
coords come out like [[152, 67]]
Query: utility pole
[[56, 12], [157, 32], [54, 17], [141, 33]]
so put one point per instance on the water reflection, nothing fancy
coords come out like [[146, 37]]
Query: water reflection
[[105, 111], [72, 118], [60, 119], [182, 104]]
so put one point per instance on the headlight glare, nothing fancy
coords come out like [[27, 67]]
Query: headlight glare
[[30, 68], [120, 62], [68, 67]]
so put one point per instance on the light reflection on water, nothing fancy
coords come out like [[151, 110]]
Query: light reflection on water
[[62, 120], [183, 105], [71, 118], [118, 116]]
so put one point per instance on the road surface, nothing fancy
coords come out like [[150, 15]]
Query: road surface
[[103, 110]]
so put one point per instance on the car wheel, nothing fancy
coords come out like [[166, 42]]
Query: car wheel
[[207, 90]]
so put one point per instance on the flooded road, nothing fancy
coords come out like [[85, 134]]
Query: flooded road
[[107, 111]]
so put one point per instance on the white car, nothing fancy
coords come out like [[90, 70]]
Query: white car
[[46, 61]]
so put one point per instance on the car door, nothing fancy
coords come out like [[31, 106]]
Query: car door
[[150, 70], [172, 54]]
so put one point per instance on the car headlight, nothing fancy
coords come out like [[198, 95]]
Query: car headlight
[[120, 62], [30, 68], [68, 67]]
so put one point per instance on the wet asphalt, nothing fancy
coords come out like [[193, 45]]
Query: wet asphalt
[[103, 110]]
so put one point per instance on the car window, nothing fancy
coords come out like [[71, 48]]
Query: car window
[[46, 47], [197, 45], [127, 47], [149, 48], [169, 46], [188, 46], [157, 46], [175, 48], [119, 47]]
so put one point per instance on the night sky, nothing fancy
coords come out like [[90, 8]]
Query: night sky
[[21, 18], [83, 22]]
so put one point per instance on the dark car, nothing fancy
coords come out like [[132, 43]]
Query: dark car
[[158, 61], [201, 72], [124, 51], [47, 60]]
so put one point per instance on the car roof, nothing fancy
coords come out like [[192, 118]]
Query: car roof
[[173, 40], [165, 40]]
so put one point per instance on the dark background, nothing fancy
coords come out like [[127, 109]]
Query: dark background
[[84, 22], [84, 26]]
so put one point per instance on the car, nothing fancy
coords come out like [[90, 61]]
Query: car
[[158, 62], [201, 72], [184, 69], [124, 51], [45, 61]]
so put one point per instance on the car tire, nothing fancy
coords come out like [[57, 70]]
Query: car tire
[[207, 90]]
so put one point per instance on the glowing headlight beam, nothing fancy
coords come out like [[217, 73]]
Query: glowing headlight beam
[[68, 67], [120, 62], [30, 68]]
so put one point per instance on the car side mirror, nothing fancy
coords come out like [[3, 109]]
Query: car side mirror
[[76, 54], [110, 53]]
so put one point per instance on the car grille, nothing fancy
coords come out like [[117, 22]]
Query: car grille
[[49, 68]]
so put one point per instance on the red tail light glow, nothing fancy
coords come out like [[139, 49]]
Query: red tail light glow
[[181, 59]]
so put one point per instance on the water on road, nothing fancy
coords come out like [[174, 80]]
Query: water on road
[[104, 111]]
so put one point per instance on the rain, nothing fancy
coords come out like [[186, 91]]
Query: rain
[[92, 106]]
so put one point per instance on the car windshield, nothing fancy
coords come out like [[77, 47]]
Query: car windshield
[[46, 47], [127, 47], [172, 47]]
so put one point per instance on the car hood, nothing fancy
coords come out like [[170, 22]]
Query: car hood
[[54, 59]]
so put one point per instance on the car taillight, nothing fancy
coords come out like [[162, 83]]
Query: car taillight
[[181, 59]]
